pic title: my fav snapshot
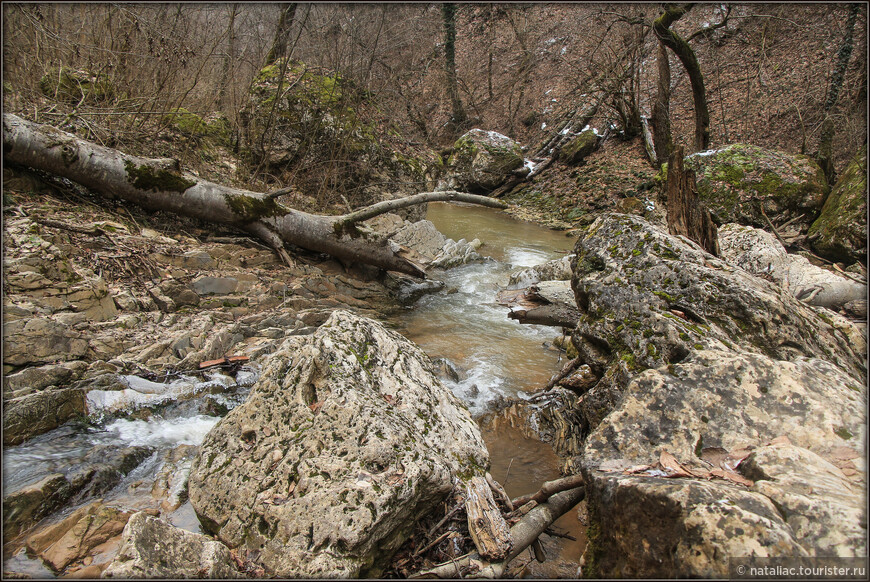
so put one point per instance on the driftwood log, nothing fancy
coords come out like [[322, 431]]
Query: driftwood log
[[489, 530], [160, 184], [531, 306], [523, 534]]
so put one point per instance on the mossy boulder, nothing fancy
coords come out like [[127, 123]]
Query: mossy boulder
[[649, 299], [214, 127], [320, 130], [482, 160], [840, 232], [75, 85], [579, 147], [739, 180]]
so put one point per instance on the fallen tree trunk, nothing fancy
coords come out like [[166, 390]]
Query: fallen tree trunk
[[159, 184], [523, 534]]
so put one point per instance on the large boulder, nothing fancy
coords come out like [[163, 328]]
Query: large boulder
[[739, 180], [649, 299], [787, 498], [840, 232], [579, 147], [153, 548], [347, 437], [482, 160], [701, 362]]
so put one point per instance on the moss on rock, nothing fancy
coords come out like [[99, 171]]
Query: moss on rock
[[74, 86], [736, 181], [576, 150], [840, 231]]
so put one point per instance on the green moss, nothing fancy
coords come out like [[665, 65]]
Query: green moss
[[148, 178], [250, 208], [665, 296], [593, 551], [75, 86], [186, 122], [843, 433]]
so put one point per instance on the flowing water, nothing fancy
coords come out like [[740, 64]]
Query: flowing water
[[495, 357]]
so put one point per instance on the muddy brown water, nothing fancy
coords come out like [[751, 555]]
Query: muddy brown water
[[497, 357]]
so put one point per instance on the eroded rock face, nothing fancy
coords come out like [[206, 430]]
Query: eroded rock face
[[152, 548], [482, 160], [36, 413], [840, 232], [800, 504], [698, 357], [345, 439], [732, 180], [73, 538]]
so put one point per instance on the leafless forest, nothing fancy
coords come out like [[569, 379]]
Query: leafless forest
[[519, 70]]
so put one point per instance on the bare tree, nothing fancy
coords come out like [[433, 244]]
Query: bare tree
[[825, 157], [684, 52], [661, 114], [448, 14], [282, 34]]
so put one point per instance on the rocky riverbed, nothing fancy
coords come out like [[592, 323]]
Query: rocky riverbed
[[715, 405]]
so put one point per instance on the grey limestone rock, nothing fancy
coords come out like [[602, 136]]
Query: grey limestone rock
[[152, 548], [800, 504], [346, 438], [482, 160]]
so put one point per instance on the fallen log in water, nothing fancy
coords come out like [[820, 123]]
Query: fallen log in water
[[160, 184]]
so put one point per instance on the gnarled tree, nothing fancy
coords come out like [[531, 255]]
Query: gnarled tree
[[684, 52], [159, 184]]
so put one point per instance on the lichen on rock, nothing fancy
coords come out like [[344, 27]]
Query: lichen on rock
[[481, 161], [347, 437]]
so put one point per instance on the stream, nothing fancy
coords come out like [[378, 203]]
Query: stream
[[494, 357], [497, 357]]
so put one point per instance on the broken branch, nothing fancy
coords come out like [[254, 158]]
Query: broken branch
[[523, 533]]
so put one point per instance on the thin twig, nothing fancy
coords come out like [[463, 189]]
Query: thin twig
[[430, 545], [444, 519], [770, 224]]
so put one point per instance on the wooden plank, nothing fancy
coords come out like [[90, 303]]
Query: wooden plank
[[489, 530]]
